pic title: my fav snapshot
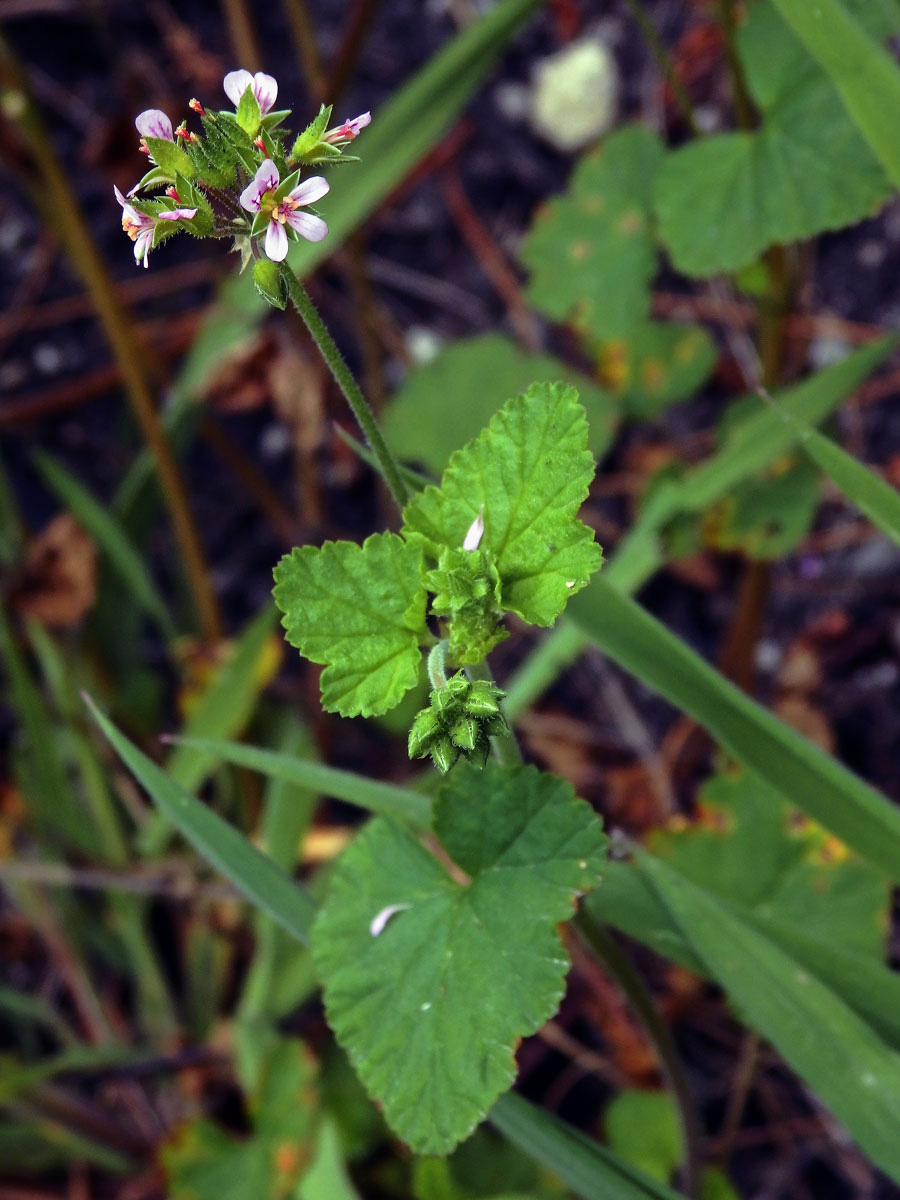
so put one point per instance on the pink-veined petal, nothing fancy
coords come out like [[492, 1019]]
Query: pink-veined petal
[[360, 122], [310, 190], [178, 214], [265, 180], [235, 84], [311, 227], [142, 246], [276, 242], [154, 123], [265, 89], [250, 197]]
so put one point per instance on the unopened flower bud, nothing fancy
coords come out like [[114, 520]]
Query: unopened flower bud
[[444, 754], [195, 106], [182, 130], [172, 193]]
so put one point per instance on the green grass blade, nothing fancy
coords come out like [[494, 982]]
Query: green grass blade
[[754, 444], [834, 1050], [376, 797], [864, 73], [122, 555], [628, 903], [812, 781], [217, 841], [588, 1168], [224, 709], [874, 498]]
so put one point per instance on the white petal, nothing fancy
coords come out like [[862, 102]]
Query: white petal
[[154, 123], [142, 246], [312, 228], [266, 177], [276, 242], [121, 199], [310, 190], [360, 122], [250, 197], [265, 89], [178, 214], [476, 532], [380, 920], [235, 84]]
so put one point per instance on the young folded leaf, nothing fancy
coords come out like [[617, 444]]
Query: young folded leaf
[[360, 610], [528, 472]]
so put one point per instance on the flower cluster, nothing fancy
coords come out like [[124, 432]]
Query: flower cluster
[[240, 176], [460, 719]]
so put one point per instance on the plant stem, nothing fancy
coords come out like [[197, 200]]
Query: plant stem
[[664, 62], [348, 385], [437, 665], [56, 198], [743, 105], [635, 992]]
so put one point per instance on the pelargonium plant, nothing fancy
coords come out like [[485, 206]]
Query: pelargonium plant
[[500, 535]]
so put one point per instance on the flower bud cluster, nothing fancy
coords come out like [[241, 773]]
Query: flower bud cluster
[[461, 719], [235, 178]]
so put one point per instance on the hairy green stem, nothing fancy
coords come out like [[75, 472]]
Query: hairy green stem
[[390, 469], [635, 992], [437, 664]]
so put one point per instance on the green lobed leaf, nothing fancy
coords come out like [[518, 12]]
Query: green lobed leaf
[[848, 1066], [800, 873], [722, 200], [865, 75], [423, 423], [431, 1008], [655, 365], [590, 251], [529, 472], [360, 610]]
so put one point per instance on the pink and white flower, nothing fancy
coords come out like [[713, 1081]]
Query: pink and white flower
[[153, 123], [141, 227], [349, 130], [259, 196], [265, 89]]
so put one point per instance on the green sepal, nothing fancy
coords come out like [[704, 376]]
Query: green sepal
[[203, 223], [260, 221], [154, 178], [466, 584], [310, 139], [324, 152], [169, 158], [287, 185], [461, 718], [233, 142], [269, 284], [248, 115], [271, 120]]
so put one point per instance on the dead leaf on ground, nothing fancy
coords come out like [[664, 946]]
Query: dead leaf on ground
[[58, 584]]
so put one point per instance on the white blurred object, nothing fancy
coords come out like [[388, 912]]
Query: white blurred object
[[575, 94]]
